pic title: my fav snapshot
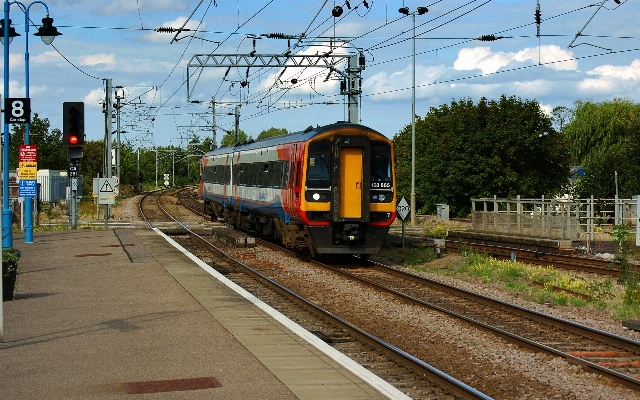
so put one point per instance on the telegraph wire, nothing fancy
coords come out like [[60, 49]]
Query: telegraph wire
[[467, 40], [378, 46], [505, 71]]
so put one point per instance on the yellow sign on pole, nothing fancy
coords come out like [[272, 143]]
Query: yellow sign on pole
[[28, 170]]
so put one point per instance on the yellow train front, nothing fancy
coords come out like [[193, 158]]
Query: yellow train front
[[327, 190], [348, 197]]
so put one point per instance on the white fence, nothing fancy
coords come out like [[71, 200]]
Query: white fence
[[557, 218]]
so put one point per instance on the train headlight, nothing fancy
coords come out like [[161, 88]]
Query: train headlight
[[316, 196], [381, 197]]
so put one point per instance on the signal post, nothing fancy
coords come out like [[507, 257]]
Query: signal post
[[73, 137]]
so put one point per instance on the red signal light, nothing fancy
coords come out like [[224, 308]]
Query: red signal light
[[73, 123]]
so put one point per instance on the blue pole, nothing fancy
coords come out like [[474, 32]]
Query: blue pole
[[28, 201], [7, 214]]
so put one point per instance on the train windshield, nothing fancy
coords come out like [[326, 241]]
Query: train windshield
[[380, 165], [319, 167]]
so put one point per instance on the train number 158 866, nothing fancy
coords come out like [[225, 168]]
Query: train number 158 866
[[380, 185]]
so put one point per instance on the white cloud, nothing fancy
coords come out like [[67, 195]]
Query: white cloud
[[47, 57], [38, 91], [95, 98], [488, 62], [106, 60], [598, 85], [556, 56], [631, 72], [14, 87], [532, 88], [385, 85], [547, 109]]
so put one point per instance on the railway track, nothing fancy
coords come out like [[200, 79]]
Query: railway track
[[188, 197], [412, 376], [597, 351], [537, 257]]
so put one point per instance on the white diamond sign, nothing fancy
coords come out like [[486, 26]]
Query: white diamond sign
[[403, 209]]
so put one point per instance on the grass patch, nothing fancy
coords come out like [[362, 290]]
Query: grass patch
[[415, 258], [543, 285], [438, 230]]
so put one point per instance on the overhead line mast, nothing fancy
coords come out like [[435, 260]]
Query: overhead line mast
[[351, 79]]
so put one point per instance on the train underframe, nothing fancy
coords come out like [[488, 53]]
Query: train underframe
[[337, 238]]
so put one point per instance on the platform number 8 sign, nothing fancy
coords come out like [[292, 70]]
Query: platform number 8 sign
[[17, 110]]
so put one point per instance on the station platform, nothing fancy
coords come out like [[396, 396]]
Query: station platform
[[110, 314]]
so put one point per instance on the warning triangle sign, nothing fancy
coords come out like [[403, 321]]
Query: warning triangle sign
[[106, 187]]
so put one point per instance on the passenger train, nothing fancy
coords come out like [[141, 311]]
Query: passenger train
[[326, 190]]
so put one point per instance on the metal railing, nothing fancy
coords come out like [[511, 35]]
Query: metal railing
[[556, 218]]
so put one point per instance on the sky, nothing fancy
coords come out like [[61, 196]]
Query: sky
[[581, 51]]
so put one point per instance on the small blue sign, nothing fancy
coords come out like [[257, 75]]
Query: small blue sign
[[28, 188]]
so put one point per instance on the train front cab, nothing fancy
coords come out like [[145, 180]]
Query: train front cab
[[349, 196]]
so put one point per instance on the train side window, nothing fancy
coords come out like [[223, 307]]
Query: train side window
[[252, 174], [273, 174], [259, 176], [284, 175], [266, 175], [319, 164]]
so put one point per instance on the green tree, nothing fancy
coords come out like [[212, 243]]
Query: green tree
[[561, 116], [91, 165], [463, 150], [230, 139], [52, 153], [603, 139], [272, 132]]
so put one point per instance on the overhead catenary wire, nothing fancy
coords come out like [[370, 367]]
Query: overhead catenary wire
[[252, 99], [518, 27]]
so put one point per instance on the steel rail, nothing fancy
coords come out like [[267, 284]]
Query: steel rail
[[539, 257], [445, 381], [532, 315]]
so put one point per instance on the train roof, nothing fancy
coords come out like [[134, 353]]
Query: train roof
[[302, 136]]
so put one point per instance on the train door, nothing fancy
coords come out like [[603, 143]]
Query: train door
[[350, 182], [350, 179]]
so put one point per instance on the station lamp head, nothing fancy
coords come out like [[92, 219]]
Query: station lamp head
[[404, 10], [422, 10], [337, 11], [47, 31], [12, 32]]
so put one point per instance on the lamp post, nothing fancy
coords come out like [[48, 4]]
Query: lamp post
[[47, 33], [419, 11]]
